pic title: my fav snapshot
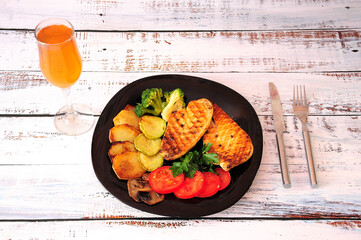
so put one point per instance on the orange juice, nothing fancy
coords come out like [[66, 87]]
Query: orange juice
[[60, 59]]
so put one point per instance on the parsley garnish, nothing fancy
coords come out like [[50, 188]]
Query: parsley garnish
[[195, 161]]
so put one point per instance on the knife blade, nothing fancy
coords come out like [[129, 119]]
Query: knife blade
[[279, 126]]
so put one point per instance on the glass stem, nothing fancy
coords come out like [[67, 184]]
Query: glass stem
[[68, 102]]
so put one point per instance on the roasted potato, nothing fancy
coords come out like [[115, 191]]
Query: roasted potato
[[127, 166], [127, 117], [122, 133], [119, 148], [129, 107]]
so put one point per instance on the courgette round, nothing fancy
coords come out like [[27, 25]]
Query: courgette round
[[152, 127], [147, 146], [150, 163]]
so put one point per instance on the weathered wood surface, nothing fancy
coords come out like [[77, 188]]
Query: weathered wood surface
[[176, 229], [185, 14], [50, 176], [48, 189], [231, 51], [329, 93]]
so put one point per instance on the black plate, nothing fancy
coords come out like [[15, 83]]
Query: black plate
[[237, 107]]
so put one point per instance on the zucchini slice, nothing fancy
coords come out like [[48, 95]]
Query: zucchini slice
[[147, 146], [150, 163], [152, 127]]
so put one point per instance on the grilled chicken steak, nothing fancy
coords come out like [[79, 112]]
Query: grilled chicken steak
[[185, 128]]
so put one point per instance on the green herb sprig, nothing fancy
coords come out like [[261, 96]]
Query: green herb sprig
[[195, 161]]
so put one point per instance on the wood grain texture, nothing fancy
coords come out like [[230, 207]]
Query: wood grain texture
[[44, 175], [177, 229], [329, 93], [185, 14], [241, 51], [48, 189]]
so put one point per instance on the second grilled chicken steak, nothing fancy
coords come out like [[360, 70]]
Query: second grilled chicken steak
[[231, 143]]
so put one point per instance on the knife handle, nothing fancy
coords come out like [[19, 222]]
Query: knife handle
[[283, 162], [310, 163]]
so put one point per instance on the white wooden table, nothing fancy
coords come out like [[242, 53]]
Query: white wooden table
[[48, 189]]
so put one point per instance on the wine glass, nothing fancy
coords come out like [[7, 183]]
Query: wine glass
[[61, 64]]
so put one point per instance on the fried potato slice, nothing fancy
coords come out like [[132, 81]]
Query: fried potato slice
[[127, 117], [122, 133], [127, 166], [119, 148], [129, 107]]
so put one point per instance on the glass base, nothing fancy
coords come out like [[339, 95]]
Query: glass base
[[74, 120]]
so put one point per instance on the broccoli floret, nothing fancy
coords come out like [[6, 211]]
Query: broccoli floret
[[167, 98], [140, 110], [151, 102], [175, 101], [167, 95]]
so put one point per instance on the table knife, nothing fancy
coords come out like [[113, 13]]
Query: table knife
[[279, 125]]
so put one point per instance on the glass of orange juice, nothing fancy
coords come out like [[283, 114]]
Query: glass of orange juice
[[61, 64]]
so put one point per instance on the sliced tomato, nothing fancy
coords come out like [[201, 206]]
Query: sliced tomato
[[211, 185], [190, 187], [224, 176], [162, 181]]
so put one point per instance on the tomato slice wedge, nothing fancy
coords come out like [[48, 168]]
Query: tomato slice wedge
[[224, 176], [211, 185], [161, 180], [190, 187]]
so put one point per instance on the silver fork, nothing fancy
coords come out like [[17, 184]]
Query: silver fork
[[300, 108]]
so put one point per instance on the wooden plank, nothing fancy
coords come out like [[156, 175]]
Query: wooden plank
[[44, 175], [181, 229], [329, 93], [331, 136], [185, 14], [73, 192], [243, 51]]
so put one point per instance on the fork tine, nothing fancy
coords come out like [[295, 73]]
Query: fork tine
[[304, 94], [298, 96], [301, 95], [294, 95]]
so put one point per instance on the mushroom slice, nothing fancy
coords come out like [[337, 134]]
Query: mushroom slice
[[140, 190], [146, 176], [137, 185], [151, 198]]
